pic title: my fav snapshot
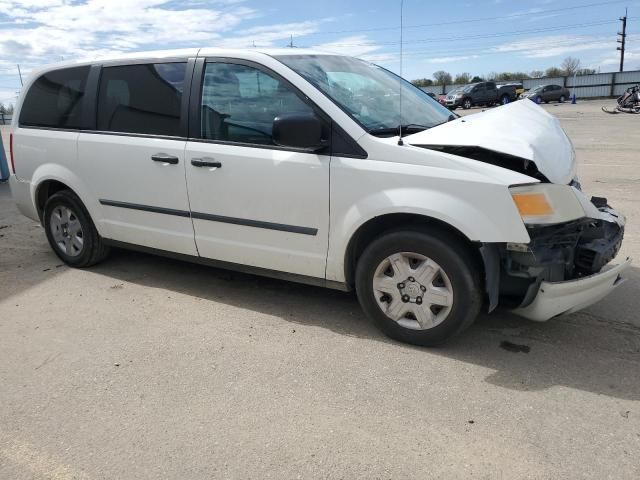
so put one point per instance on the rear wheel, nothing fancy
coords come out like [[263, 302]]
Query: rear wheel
[[504, 99], [70, 231], [418, 287]]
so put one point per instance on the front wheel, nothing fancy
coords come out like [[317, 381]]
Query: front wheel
[[466, 104], [561, 99], [421, 288], [71, 232]]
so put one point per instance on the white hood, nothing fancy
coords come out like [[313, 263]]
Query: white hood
[[522, 129]]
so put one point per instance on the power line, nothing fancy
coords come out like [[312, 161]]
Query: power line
[[478, 36], [492, 48], [471, 20]]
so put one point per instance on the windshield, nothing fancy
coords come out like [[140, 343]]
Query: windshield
[[368, 93], [468, 88], [538, 88]]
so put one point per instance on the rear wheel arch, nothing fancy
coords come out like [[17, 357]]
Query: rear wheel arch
[[45, 190], [378, 226]]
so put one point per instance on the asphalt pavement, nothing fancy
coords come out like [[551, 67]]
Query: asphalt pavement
[[145, 367]]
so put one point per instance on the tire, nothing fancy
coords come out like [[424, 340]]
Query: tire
[[504, 99], [71, 232], [456, 283], [466, 104], [561, 99]]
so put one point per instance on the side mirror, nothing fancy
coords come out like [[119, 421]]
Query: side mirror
[[298, 130]]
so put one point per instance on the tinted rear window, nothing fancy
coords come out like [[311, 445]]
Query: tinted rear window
[[55, 100], [141, 98]]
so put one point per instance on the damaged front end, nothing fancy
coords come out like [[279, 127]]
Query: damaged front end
[[564, 267]]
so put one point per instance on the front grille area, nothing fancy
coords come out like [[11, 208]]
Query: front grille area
[[557, 253]]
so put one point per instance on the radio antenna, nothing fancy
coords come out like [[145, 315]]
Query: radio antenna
[[400, 142]]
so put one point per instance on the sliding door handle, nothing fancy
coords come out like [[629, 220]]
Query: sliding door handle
[[205, 162], [164, 158]]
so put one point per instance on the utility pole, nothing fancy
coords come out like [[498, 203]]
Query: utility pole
[[20, 73], [622, 39], [291, 41]]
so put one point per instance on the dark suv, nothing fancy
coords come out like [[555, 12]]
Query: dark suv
[[483, 93]]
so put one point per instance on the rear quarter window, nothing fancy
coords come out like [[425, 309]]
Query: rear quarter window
[[56, 99]]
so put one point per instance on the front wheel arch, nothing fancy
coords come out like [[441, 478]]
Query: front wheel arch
[[378, 226]]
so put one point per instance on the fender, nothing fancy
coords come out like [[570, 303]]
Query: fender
[[493, 219], [60, 173]]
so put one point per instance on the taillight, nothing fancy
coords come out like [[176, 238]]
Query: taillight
[[13, 163]]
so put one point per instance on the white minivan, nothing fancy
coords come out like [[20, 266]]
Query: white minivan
[[318, 168]]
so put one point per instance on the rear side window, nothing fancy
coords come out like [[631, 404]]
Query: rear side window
[[141, 98], [55, 100]]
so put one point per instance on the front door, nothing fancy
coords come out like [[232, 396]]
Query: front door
[[252, 202], [134, 160]]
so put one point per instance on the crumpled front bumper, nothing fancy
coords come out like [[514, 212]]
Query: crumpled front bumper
[[557, 298], [564, 267]]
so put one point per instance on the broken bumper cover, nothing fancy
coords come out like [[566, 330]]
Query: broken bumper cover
[[565, 267], [557, 298]]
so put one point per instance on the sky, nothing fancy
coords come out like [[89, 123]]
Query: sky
[[458, 36]]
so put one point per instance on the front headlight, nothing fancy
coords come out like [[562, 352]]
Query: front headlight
[[458, 95], [546, 203]]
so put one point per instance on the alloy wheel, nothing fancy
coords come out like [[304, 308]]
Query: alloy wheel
[[67, 231]]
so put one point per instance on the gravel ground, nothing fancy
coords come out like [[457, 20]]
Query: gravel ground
[[144, 367]]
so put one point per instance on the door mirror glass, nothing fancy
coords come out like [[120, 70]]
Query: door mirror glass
[[298, 130]]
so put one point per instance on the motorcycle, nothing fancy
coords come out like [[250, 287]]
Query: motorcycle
[[629, 102]]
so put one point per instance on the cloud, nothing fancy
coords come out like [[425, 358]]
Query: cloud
[[42, 31], [355, 45], [270, 35], [551, 46], [46, 30], [452, 59]]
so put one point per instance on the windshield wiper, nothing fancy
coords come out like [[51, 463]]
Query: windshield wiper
[[449, 119], [410, 127]]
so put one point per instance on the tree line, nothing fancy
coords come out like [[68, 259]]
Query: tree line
[[570, 66], [6, 110]]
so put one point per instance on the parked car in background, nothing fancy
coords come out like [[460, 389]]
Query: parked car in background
[[289, 163], [432, 95], [547, 93], [442, 99], [483, 93]]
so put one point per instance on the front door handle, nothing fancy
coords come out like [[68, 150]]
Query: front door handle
[[164, 158], [205, 162]]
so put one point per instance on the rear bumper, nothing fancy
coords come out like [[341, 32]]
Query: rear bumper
[[557, 298], [21, 193]]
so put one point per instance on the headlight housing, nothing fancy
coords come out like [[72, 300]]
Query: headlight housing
[[546, 203]]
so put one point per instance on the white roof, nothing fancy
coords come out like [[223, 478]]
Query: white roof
[[245, 53]]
